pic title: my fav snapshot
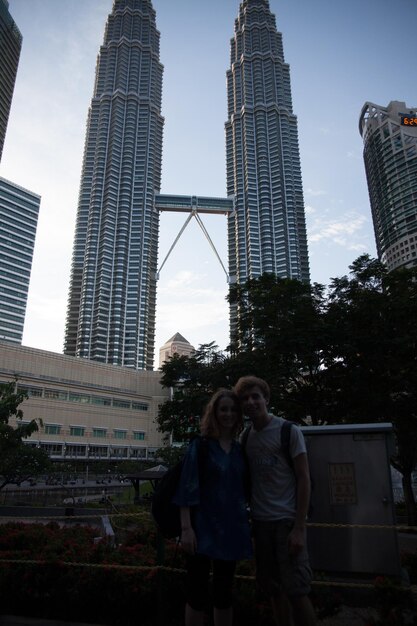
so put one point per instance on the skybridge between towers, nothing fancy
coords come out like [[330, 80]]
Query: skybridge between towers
[[194, 206]]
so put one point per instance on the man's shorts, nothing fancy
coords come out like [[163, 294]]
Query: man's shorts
[[275, 567]]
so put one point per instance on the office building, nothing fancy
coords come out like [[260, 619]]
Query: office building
[[19, 209], [88, 410], [111, 308], [267, 231], [10, 46], [390, 153]]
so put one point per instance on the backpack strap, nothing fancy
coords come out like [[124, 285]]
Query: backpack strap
[[285, 440]]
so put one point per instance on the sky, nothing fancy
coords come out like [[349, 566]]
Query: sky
[[341, 55]]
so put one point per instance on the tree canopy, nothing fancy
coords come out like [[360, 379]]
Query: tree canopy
[[342, 353], [18, 461], [279, 337], [192, 380]]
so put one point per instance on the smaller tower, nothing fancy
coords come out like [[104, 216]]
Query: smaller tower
[[390, 154], [176, 345]]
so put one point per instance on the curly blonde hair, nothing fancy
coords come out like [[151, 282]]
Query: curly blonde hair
[[209, 426]]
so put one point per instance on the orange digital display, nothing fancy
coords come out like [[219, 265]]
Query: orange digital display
[[408, 120]]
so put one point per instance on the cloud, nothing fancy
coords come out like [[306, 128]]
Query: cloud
[[190, 287], [191, 314], [347, 231], [315, 192], [182, 279], [187, 303]]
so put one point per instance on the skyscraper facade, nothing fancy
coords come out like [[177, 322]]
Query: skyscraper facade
[[19, 210], [390, 154], [111, 309], [10, 46], [266, 231]]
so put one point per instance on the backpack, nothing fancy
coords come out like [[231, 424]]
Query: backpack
[[285, 447], [165, 513]]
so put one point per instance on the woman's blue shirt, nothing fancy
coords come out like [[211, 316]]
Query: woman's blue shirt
[[213, 487]]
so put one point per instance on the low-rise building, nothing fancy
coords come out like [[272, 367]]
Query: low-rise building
[[88, 410]]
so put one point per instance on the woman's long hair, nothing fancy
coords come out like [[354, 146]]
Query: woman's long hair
[[209, 426]]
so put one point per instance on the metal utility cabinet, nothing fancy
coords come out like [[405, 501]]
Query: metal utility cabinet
[[351, 479]]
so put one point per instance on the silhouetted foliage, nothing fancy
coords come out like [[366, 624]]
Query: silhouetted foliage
[[280, 337], [18, 461], [192, 379], [373, 358], [347, 353]]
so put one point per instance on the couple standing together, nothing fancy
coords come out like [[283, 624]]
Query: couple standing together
[[212, 495]]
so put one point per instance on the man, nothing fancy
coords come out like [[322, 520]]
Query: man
[[280, 495]]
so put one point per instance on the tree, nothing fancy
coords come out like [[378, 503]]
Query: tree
[[280, 337], [170, 455], [345, 354], [372, 361], [192, 379], [18, 461]]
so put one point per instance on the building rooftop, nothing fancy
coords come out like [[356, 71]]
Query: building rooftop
[[178, 337]]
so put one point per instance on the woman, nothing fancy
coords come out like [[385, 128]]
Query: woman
[[214, 519]]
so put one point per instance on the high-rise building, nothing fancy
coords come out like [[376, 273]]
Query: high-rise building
[[111, 309], [390, 154], [19, 209], [266, 231], [10, 46]]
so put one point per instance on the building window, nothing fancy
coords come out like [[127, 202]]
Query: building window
[[120, 434], [138, 453], [32, 392], [56, 394], [121, 404], [77, 431], [120, 453], [72, 450], [79, 397], [99, 432], [98, 451], [54, 449], [139, 435], [139, 406], [52, 429], [100, 400]]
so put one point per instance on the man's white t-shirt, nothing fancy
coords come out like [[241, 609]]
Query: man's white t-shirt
[[273, 484]]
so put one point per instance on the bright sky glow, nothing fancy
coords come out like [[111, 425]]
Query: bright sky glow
[[340, 54]]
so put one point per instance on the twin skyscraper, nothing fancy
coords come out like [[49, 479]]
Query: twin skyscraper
[[112, 300]]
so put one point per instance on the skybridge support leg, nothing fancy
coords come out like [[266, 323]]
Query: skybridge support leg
[[194, 213]]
